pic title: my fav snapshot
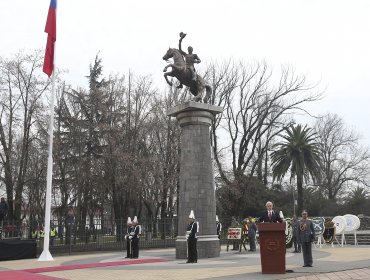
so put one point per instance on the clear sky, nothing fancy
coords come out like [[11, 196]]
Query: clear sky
[[328, 41]]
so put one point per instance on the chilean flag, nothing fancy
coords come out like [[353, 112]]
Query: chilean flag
[[51, 29]]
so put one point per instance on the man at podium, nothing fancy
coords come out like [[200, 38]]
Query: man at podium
[[272, 241], [269, 215]]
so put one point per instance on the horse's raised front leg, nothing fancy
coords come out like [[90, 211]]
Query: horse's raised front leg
[[208, 94], [168, 65], [165, 76]]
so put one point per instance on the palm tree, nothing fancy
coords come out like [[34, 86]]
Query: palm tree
[[300, 153], [357, 200]]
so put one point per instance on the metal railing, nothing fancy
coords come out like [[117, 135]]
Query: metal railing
[[72, 236]]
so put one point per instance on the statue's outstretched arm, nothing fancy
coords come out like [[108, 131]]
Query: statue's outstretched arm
[[182, 52]]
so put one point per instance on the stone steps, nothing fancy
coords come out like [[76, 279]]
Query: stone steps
[[362, 239]]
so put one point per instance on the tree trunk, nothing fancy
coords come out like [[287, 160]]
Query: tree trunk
[[300, 193]]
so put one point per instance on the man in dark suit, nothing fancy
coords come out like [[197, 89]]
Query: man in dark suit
[[269, 215]]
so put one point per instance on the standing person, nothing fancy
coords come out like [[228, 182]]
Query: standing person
[[270, 215], [218, 227], [60, 231], [53, 234], [34, 234], [305, 236], [252, 230], [191, 236], [93, 231], [190, 58], [128, 238], [235, 224], [295, 225], [135, 234], [244, 239], [41, 236], [3, 210], [87, 234]]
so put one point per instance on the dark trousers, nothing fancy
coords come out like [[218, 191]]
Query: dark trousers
[[297, 245], [135, 247], [128, 246], [192, 250], [252, 243], [307, 253]]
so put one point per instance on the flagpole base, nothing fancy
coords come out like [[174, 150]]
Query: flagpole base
[[45, 256]]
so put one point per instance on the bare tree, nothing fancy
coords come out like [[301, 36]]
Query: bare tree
[[256, 110], [163, 144], [21, 89], [344, 161]]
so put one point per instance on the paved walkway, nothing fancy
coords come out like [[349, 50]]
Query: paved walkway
[[330, 263]]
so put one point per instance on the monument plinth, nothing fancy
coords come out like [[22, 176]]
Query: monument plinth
[[197, 188]]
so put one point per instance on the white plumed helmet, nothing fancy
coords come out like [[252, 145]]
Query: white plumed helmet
[[192, 216], [135, 221]]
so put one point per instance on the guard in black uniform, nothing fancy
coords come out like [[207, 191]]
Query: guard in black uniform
[[191, 236], [218, 227], [128, 239], [135, 234]]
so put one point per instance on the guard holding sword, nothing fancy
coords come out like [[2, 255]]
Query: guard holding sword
[[128, 239], [191, 238]]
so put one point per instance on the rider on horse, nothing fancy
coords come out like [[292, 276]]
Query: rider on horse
[[183, 70], [190, 59]]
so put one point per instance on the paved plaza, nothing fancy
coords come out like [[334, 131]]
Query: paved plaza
[[349, 262]]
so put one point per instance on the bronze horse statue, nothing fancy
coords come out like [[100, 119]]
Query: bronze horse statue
[[180, 71]]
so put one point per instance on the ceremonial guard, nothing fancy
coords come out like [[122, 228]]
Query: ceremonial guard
[[218, 227], [135, 234], [191, 236], [305, 236], [128, 238]]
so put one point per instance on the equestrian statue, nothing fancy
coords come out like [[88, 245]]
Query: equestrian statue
[[183, 69]]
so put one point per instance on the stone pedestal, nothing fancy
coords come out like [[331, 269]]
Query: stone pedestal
[[197, 188]]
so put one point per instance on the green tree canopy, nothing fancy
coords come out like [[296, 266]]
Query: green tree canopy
[[299, 152]]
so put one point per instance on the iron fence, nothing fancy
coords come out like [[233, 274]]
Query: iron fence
[[73, 236], [99, 235]]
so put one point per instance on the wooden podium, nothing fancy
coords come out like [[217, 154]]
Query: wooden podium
[[272, 247]]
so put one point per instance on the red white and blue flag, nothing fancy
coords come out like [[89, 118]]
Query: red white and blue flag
[[51, 29]]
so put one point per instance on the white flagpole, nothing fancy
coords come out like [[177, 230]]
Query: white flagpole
[[45, 255]]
